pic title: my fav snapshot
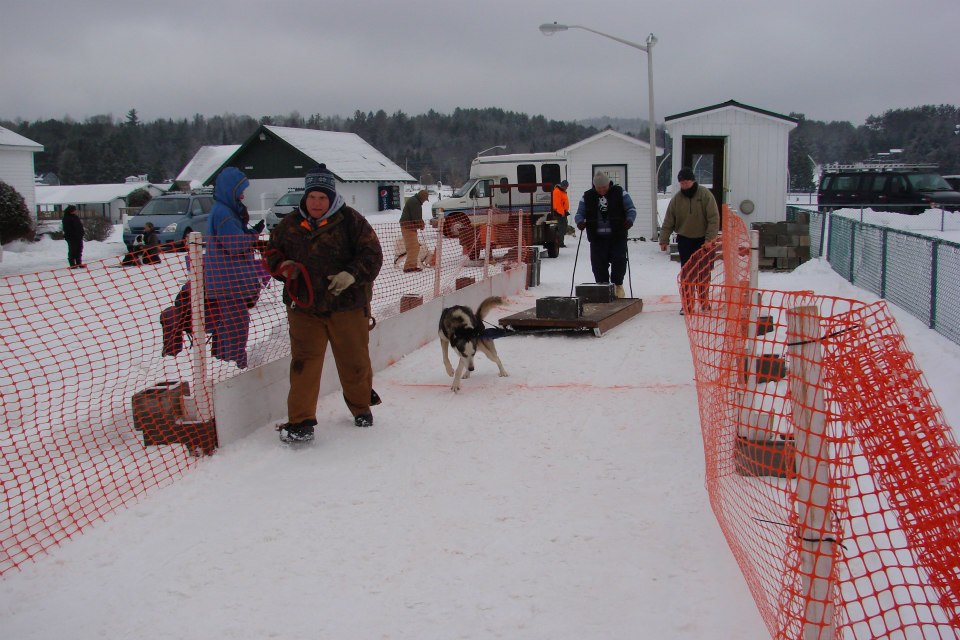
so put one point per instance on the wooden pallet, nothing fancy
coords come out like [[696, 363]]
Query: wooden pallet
[[598, 317]]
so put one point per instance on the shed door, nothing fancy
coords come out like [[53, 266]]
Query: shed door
[[705, 156]]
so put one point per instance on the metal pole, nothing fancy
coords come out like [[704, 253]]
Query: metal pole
[[651, 40], [549, 29]]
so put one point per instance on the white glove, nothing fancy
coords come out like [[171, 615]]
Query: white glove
[[289, 269], [340, 282]]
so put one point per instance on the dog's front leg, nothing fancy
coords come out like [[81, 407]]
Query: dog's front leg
[[444, 347], [456, 376]]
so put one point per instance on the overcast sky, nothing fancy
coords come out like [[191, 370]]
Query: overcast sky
[[827, 59]]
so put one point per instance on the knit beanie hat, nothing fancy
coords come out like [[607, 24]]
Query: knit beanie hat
[[686, 173], [320, 179], [601, 179]]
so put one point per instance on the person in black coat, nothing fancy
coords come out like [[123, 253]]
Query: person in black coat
[[151, 245], [607, 212], [73, 234]]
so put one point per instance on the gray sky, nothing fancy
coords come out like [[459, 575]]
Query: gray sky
[[827, 59]]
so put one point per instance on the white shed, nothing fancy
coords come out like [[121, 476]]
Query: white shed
[[739, 152], [16, 164], [104, 200], [276, 159], [624, 158]]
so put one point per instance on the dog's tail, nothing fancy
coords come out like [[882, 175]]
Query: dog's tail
[[487, 305]]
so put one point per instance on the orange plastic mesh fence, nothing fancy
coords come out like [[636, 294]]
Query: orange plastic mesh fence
[[829, 464], [94, 415]]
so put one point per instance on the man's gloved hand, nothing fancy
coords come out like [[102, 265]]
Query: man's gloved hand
[[581, 225], [340, 282], [627, 224], [259, 227], [289, 269]]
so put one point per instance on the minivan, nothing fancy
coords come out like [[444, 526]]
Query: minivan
[[900, 188], [285, 204], [174, 215]]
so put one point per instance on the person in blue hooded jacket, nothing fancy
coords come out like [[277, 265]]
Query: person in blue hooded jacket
[[233, 276]]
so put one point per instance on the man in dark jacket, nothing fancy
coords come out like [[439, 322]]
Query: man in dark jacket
[[607, 212], [327, 255], [73, 234]]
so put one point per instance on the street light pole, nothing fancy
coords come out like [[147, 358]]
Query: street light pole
[[496, 146], [550, 28]]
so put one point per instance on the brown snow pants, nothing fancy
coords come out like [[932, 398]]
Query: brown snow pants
[[411, 244], [348, 334]]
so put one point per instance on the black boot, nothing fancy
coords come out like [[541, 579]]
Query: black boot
[[299, 432], [363, 420]]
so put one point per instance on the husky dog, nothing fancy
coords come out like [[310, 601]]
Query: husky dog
[[463, 328]]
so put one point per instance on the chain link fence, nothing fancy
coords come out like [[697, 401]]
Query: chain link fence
[[920, 274]]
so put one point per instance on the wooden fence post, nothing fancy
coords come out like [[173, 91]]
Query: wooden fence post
[[818, 545], [202, 389]]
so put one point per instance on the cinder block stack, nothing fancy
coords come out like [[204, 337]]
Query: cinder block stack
[[784, 245]]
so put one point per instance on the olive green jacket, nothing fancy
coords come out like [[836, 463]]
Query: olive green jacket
[[695, 217]]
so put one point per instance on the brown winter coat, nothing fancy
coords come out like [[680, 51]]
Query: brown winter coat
[[344, 242]]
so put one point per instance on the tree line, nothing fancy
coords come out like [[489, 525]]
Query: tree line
[[435, 147]]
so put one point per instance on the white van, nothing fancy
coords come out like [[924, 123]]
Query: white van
[[508, 183]]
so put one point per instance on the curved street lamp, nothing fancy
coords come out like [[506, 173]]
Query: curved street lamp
[[550, 28], [496, 146]]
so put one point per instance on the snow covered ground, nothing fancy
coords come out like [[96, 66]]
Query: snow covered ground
[[564, 501]]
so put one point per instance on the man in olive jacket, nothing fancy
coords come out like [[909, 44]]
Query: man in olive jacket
[[693, 214], [411, 221], [327, 255]]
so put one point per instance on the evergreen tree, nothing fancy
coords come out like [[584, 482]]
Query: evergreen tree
[[15, 221]]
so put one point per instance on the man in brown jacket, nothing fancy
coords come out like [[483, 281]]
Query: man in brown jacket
[[327, 255], [411, 221], [693, 214]]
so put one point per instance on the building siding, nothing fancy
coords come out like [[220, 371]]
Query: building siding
[[16, 169]]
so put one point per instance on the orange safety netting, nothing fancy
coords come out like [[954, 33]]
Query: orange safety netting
[[829, 464], [96, 408]]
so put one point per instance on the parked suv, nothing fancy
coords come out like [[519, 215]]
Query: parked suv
[[898, 188], [173, 215], [285, 204]]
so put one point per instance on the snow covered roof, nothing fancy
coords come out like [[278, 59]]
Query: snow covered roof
[[10, 139], [87, 193], [205, 162], [610, 133], [347, 155]]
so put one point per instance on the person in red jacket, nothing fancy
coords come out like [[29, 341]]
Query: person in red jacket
[[561, 209]]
